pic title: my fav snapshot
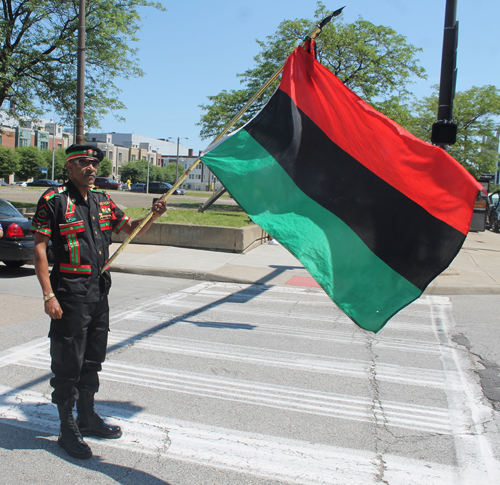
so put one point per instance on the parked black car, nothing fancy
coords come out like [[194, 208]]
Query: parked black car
[[162, 188], [159, 187], [17, 242], [43, 183]]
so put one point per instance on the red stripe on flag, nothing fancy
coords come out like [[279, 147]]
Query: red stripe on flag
[[423, 172]]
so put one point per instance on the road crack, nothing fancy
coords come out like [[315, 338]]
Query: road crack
[[379, 416]]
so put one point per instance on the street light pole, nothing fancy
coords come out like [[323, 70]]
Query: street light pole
[[177, 160], [444, 131], [147, 181]]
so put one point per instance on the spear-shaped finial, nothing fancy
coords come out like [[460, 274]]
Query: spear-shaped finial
[[327, 19]]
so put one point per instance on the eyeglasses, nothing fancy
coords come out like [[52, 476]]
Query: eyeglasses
[[85, 162]]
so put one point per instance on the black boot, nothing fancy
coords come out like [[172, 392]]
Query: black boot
[[70, 438], [90, 423]]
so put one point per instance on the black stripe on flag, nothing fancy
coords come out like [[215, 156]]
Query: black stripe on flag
[[398, 230]]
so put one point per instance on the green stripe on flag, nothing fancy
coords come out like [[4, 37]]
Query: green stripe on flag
[[354, 278]]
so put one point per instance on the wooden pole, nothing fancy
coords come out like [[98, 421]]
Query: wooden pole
[[315, 31]]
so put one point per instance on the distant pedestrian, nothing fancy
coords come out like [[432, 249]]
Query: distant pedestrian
[[129, 183], [79, 220]]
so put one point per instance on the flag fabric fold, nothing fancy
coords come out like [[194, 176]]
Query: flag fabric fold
[[372, 212]]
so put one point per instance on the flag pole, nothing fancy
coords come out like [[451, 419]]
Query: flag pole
[[314, 32]]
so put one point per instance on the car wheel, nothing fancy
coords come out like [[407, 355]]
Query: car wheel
[[14, 264], [495, 227]]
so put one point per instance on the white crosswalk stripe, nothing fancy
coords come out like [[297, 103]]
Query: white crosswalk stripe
[[408, 382], [260, 455]]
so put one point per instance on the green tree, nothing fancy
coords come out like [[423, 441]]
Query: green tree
[[105, 168], [60, 172], [38, 54], [374, 61], [9, 162], [31, 161], [135, 171], [475, 112], [169, 171]]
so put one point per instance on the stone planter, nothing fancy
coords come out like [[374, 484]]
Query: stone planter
[[231, 239]]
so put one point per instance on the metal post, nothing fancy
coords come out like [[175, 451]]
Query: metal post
[[444, 131], [177, 162], [448, 63], [80, 83]]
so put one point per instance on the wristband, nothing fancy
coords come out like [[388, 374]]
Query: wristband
[[48, 297]]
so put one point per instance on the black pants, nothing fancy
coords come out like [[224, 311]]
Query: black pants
[[78, 344]]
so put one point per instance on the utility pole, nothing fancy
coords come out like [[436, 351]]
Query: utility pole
[[53, 145], [444, 131], [80, 80], [177, 160]]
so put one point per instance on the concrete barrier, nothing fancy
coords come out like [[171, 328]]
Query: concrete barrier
[[231, 239]]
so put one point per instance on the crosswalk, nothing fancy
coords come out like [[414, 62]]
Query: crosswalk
[[273, 369]]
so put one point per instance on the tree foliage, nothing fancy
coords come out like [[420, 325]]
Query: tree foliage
[[31, 161], [38, 54], [374, 61], [9, 162], [137, 172], [105, 167], [476, 113], [60, 172]]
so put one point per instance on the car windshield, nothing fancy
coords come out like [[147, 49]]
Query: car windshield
[[8, 210]]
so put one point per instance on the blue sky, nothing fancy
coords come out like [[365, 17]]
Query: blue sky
[[196, 48]]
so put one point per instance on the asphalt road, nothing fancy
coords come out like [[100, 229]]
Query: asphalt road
[[123, 199], [218, 383]]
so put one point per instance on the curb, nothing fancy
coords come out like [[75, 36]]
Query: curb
[[177, 273], [436, 290], [445, 290]]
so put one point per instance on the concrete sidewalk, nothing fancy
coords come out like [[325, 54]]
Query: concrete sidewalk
[[476, 269]]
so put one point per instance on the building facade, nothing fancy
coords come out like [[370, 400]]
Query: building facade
[[45, 135], [119, 148]]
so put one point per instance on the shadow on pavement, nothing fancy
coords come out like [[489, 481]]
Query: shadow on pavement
[[14, 438], [242, 296], [16, 434]]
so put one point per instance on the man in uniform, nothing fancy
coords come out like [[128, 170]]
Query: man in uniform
[[79, 221]]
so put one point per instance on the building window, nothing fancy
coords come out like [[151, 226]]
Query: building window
[[120, 156], [44, 145], [110, 155], [59, 145], [133, 158]]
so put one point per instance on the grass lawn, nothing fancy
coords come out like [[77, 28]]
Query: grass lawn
[[187, 213], [206, 194], [20, 205], [235, 217]]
